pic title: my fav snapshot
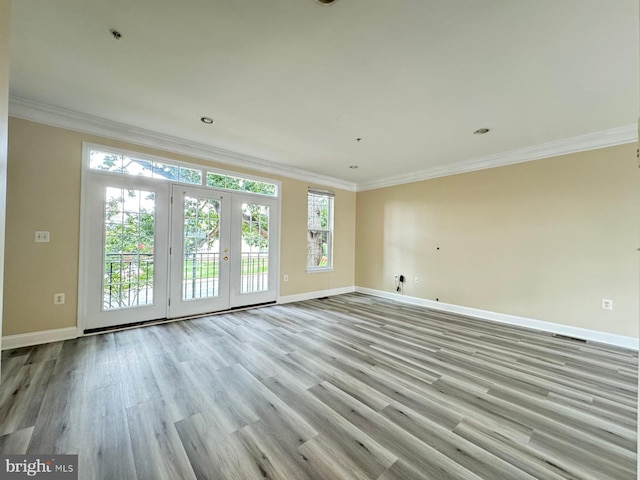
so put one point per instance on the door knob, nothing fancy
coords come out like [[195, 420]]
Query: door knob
[[225, 258]]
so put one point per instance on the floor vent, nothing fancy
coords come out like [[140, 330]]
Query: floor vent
[[565, 337]]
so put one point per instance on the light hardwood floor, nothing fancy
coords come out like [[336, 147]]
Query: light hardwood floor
[[351, 387]]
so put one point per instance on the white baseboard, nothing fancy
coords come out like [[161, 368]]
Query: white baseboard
[[567, 330], [48, 336], [317, 294], [37, 338]]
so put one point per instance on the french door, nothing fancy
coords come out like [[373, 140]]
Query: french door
[[125, 247], [152, 250], [199, 251], [223, 250]]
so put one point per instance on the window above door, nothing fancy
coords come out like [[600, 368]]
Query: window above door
[[112, 161]]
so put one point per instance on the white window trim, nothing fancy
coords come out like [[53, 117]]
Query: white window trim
[[319, 269], [328, 268]]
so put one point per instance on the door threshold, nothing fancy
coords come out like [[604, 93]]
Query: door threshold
[[160, 321]]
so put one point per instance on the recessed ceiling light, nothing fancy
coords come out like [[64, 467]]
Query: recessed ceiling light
[[482, 131], [115, 34], [207, 120], [353, 167]]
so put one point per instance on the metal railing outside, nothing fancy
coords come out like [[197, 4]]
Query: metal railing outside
[[128, 280], [128, 277]]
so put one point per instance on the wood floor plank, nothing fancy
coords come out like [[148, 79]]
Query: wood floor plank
[[327, 460], [584, 457], [44, 353], [518, 454], [421, 456], [215, 455], [537, 422], [22, 396], [16, 443], [12, 361], [180, 393], [465, 453], [272, 456], [279, 416], [365, 452], [157, 450]]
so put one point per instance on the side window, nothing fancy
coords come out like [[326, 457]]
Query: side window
[[319, 230]]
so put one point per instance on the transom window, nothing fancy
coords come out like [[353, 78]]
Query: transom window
[[217, 180], [122, 163]]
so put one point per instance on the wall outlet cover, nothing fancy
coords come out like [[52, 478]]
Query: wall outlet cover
[[42, 237]]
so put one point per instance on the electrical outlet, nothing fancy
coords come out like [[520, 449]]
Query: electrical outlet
[[58, 298], [416, 279], [607, 304], [286, 278], [42, 237]]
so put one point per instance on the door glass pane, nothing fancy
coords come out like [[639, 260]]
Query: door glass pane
[[255, 248], [129, 234], [201, 262]]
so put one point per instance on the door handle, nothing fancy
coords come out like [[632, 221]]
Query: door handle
[[225, 258]]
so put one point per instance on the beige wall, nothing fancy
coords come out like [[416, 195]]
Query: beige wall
[[44, 194], [545, 240], [5, 10]]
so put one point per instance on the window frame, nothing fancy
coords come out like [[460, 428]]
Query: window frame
[[204, 169], [330, 196]]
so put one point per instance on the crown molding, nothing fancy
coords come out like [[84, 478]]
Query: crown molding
[[70, 119], [582, 143], [61, 117]]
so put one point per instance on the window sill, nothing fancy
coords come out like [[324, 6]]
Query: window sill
[[319, 270]]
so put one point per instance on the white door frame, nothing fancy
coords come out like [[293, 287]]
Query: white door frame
[[90, 301], [87, 238]]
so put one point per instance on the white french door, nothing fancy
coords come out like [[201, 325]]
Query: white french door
[[154, 250], [254, 247], [125, 248], [223, 250], [199, 251]]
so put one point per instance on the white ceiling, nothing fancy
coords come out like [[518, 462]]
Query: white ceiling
[[295, 83]]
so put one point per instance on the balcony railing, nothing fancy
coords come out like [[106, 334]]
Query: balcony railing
[[128, 278], [254, 272]]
